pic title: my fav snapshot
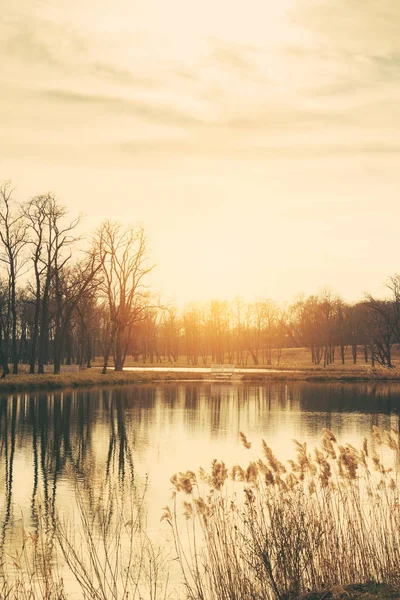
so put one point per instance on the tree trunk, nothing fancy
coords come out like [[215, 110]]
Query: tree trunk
[[44, 331], [34, 342], [88, 351], [3, 357], [354, 349], [14, 351], [58, 339], [35, 333], [119, 354]]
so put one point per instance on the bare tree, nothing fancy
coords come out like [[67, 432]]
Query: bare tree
[[125, 266], [192, 332], [218, 329], [239, 329], [384, 323], [171, 325], [254, 325], [4, 310], [270, 322], [36, 216], [147, 336], [13, 236], [52, 238], [87, 313], [70, 286], [304, 324]]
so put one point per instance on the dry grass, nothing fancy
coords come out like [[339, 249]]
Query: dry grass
[[266, 530], [363, 591], [87, 378], [327, 375], [291, 358]]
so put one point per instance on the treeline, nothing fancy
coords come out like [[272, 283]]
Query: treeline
[[256, 333], [67, 300]]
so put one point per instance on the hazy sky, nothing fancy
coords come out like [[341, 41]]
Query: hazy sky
[[257, 140]]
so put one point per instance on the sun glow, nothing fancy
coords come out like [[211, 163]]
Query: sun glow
[[250, 139]]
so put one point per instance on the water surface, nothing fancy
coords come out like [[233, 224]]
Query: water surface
[[127, 435]]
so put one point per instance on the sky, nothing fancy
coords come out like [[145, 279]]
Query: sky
[[257, 141]]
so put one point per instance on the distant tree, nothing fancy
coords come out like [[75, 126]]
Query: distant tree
[[271, 318], [356, 328], [171, 326], [254, 325], [304, 321], [238, 325], [192, 331], [384, 323], [328, 307], [218, 328], [147, 334], [341, 328]]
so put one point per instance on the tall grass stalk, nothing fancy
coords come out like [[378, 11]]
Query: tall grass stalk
[[272, 531]]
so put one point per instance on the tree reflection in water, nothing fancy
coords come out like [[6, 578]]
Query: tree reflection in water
[[54, 433]]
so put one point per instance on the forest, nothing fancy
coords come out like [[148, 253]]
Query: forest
[[68, 300]]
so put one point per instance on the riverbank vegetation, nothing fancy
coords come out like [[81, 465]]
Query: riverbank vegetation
[[309, 529], [89, 378], [64, 301]]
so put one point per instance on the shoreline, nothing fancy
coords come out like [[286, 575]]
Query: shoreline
[[94, 378]]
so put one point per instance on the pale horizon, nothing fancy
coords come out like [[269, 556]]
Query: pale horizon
[[255, 141]]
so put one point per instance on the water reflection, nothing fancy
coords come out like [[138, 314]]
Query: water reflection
[[48, 442]]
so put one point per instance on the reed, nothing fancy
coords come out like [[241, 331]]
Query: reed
[[266, 530]]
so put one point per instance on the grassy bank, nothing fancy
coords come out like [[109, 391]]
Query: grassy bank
[[328, 375], [94, 377], [88, 378]]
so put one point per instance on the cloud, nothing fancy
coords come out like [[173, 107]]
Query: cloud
[[367, 27], [270, 118], [229, 149], [160, 113], [286, 117], [41, 41], [65, 49], [120, 75], [240, 59]]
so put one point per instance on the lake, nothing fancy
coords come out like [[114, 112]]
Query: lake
[[138, 436]]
